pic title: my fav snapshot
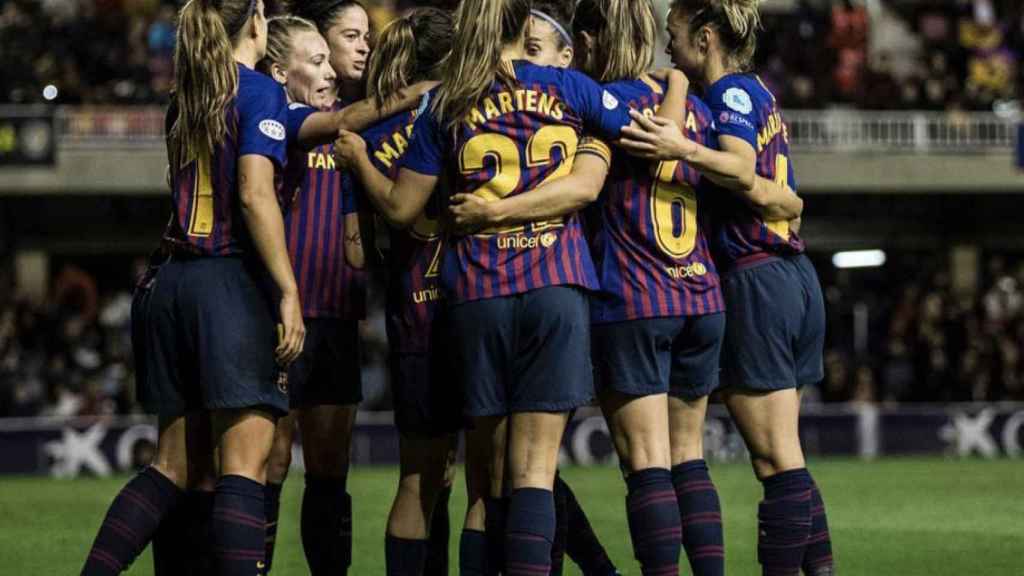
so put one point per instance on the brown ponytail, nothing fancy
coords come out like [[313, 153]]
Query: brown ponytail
[[408, 50]]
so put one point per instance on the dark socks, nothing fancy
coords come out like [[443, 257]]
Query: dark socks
[[561, 527], [440, 528], [238, 526], [582, 544], [497, 514], [172, 542], [131, 522], [701, 515], [784, 520], [326, 526], [818, 556], [529, 531], [404, 557], [199, 504], [654, 525], [472, 553], [272, 507]]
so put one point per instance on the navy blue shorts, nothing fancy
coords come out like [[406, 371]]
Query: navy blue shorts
[[775, 325], [677, 355], [204, 332], [328, 372], [524, 353], [427, 394]]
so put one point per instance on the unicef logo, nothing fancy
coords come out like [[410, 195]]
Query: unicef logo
[[548, 239]]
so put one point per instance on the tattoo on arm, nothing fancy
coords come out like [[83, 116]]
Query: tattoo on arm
[[354, 238]]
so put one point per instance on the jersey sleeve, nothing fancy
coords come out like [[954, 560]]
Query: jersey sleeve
[[426, 153], [732, 109], [297, 114], [595, 147], [600, 110], [262, 117], [349, 193]]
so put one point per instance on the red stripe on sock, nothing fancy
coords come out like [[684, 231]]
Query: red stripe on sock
[[142, 502]]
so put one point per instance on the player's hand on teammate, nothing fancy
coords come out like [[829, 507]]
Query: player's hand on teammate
[[669, 74], [470, 213], [347, 148], [655, 138], [291, 332]]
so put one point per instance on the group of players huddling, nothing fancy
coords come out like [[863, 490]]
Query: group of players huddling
[[561, 223]]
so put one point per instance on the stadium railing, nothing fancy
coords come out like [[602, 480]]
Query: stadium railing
[[834, 129]]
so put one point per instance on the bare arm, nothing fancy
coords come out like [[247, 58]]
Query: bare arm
[[774, 201], [656, 138], [561, 196], [673, 104], [354, 254], [263, 218], [323, 127], [401, 201]]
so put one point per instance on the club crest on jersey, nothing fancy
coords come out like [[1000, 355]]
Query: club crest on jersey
[[272, 129], [738, 100], [610, 102]]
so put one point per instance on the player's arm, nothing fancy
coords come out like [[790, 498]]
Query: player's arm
[[566, 195], [323, 127], [354, 254], [263, 218], [401, 201], [657, 138], [673, 104], [774, 201]]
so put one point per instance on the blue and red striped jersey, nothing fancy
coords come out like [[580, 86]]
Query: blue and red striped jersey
[[207, 218], [650, 238], [414, 293], [742, 107], [315, 233], [512, 141]]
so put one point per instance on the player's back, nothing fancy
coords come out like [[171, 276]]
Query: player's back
[[650, 242], [415, 253], [206, 218], [744, 108], [514, 140]]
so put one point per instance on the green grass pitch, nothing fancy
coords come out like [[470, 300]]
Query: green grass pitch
[[890, 517]]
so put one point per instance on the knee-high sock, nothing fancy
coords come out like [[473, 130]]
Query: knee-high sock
[[473, 553], [326, 525], [701, 514], [581, 543], [529, 531], [440, 528], [653, 515], [784, 520], [131, 522], [239, 527], [272, 508], [818, 556]]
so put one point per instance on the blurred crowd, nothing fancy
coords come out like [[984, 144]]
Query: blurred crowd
[[874, 54], [923, 341], [70, 355]]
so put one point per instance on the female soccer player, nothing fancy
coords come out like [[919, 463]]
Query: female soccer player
[[518, 316], [322, 235], [775, 318], [207, 322], [427, 412]]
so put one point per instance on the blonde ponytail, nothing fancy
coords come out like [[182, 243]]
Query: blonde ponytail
[[482, 30], [736, 21], [624, 32]]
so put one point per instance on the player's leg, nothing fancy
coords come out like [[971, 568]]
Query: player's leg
[[277, 472], [534, 441], [481, 545], [765, 311], [325, 389], [440, 522], [326, 523], [695, 366], [581, 542], [632, 361], [243, 441], [810, 370], [550, 376], [422, 473], [139, 508]]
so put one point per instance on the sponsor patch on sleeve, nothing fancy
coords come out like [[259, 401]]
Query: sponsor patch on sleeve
[[738, 100], [610, 102], [272, 129]]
